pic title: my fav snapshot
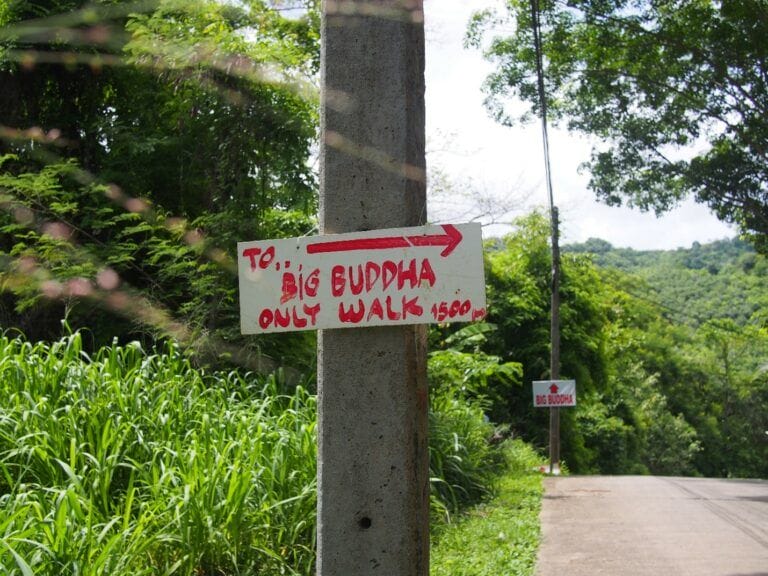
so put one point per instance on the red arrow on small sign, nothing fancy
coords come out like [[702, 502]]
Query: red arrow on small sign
[[450, 240], [554, 389]]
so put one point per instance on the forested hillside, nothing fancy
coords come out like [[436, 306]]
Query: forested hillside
[[665, 386], [715, 296], [725, 279]]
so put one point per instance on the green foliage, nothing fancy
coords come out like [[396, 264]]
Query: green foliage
[[125, 462], [722, 279], [519, 292], [500, 536], [134, 463], [675, 94], [142, 141], [473, 376], [71, 248], [671, 443], [669, 369], [612, 442], [462, 462], [687, 355]]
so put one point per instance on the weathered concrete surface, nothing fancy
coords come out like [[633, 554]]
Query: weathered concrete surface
[[652, 526], [373, 475]]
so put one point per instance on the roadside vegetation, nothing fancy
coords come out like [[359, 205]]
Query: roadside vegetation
[[671, 376], [500, 535], [136, 463], [130, 462]]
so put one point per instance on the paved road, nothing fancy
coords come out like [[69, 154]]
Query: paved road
[[652, 526]]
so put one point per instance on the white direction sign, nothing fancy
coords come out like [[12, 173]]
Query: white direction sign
[[382, 277], [554, 393]]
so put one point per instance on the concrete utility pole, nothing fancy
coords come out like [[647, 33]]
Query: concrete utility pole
[[554, 364], [554, 361], [373, 467]]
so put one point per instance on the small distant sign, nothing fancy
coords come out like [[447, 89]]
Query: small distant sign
[[393, 276], [554, 393]]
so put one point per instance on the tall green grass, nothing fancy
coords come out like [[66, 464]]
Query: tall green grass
[[463, 465], [136, 463]]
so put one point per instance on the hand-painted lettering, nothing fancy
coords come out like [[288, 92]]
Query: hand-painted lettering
[[356, 281], [297, 316], [368, 277], [389, 309], [352, 315], [337, 281], [376, 310], [312, 283], [392, 314], [372, 273], [312, 311], [559, 399], [290, 289], [409, 276], [304, 287], [443, 311], [264, 260], [411, 306], [282, 318], [389, 271], [427, 274]]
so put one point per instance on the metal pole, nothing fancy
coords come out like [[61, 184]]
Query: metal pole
[[373, 463]]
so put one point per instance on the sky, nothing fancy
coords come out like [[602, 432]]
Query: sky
[[505, 167]]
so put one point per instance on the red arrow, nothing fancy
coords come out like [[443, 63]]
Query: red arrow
[[450, 240], [554, 389]]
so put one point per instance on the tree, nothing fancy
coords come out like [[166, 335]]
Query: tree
[[144, 145], [688, 376], [517, 273], [675, 92]]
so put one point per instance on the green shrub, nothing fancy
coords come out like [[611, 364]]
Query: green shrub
[[501, 535]]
